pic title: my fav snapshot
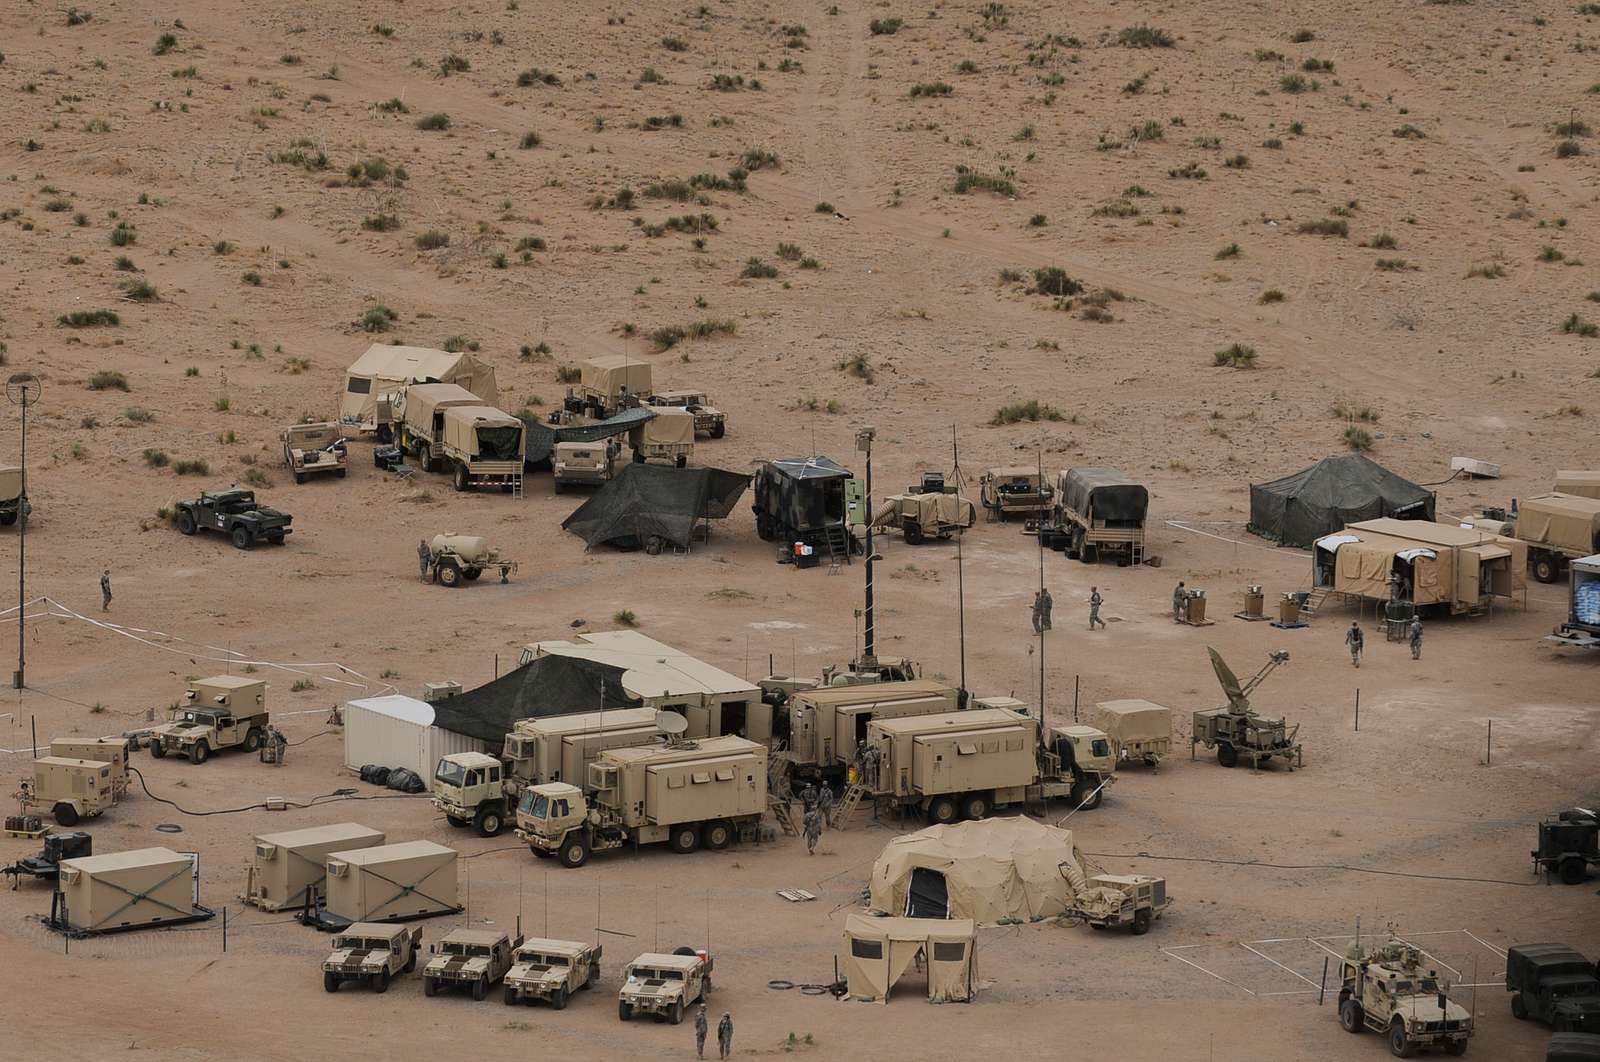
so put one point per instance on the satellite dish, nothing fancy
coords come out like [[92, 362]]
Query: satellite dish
[[671, 723]]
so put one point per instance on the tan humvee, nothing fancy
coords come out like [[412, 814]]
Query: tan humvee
[[663, 986], [371, 952], [708, 419], [222, 712], [551, 970], [468, 958], [1391, 992], [1015, 490], [73, 789], [312, 448], [582, 462]]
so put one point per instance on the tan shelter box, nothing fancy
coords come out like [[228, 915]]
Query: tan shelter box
[[10, 482], [878, 952], [1584, 484], [112, 750], [128, 890], [558, 748], [605, 374], [1137, 729], [384, 369], [826, 724], [991, 871], [284, 866], [413, 879]]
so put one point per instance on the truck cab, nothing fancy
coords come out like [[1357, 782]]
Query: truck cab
[[468, 958], [371, 952], [663, 986], [1391, 992], [468, 787], [548, 818], [1554, 984], [1085, 754]]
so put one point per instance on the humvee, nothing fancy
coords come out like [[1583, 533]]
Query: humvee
[[235, 513], [222, 712], [551, 970], [373, 952], [1554, 984], [1390, 991], [583, 462], [312, 448], [708, 420], [663, 986], [468, 958], [1568, 844]]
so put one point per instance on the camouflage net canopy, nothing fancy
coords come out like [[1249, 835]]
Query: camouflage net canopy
[[549, 685], [647, 505]]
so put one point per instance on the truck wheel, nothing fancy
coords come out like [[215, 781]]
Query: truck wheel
[[330, 983], [7, 518], [299, 477], [719, 429], [913, 532], [638, 457], [480, 990], [557, 486], [1455, 1047], [1141, 922], [1079, 791], [429, 985], [449, 574], [684, 839], [624, 1012], [717, 835], [676, 1017], [943, 810], [343, 472], [458, 823], [380, 982], [1350, 1016], [1572, 871], [157, 750], [185, 522], [764, 529], [65, 814], [510, 996], [559, 1000], [1544, 567], [1088, 553], [594, 975], [198, 752], [411, 962], [975, 806], [1400, 1045], [489, 822], [461, 480], [1227, 755], [252, 740], [1519, 1007], [574, 854], [681, 461], [242, 538], [425, 458]]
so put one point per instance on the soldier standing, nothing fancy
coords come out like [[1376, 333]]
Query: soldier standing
[[1095, 601], [105, 590], [808, 796], [1180, 602], [424, 557], [1038, 612], [700, 1028], [813, 831], [725, 1035], [1416, 637], [825, 801], [872, 767], [1355, 640]]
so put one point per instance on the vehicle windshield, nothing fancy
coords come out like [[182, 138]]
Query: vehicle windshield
[[456, 947], [369, 943], [450, 773], [1428, 985], [534, 805], [1100, 747]]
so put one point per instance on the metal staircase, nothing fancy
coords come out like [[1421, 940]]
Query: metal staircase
[[837, 542], [846, 807], [784, 815]]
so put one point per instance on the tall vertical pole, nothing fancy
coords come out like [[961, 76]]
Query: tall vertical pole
[[19, 680], [1040, 455], [961, 586], [870, 648]]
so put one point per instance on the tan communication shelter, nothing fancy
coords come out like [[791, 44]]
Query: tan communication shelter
[[955, 752], [284, 865], [878, 952], [1137, 729], [825, 724], [127, 890], [1442, 564], [112, 750], [384, 369], [992, 871], [558, 748], [606, 374], [391, 882], [1583, 484]]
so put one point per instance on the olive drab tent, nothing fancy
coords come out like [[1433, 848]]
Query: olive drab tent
[[1298, 509], [878, 951], [384, 369], [991, 871]]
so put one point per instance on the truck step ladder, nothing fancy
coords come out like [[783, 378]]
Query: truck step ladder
[[846, 807], [837, 540], [785, 817], [1314, 601]]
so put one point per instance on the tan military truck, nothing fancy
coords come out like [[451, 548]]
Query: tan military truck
[[1558, 528], [1099, 512], [457, 559], [471, 959], [469, 788], [1015, 490], [669, 436], [418, 412], [591, 463], [11, 502], [72, 789], [664, 986], [609, 383], [312, 449], [1392, 992], [371, 953], [1139, 730], [112, 750], [451, 430], [559, 748], [708, 419], [820, 729], [550, 971], [684, 793], [221, 712]]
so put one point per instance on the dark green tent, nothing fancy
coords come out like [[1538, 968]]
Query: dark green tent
[[1299, 509]]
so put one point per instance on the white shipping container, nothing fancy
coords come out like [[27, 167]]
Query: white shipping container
[[398, 731]]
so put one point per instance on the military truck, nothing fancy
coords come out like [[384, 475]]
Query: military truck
[[551, 971], [1558, 528], [372, 953], [591, 463], [1139, 730], [664, 986], [451, 430], [1582, 628], [1015, 490], [220, 712], [418, 412], [312, 449], [708, 419], [819, 730], [454, 559], [469, 789], [11, 502], [1573, 1047], [609, 383], [923, 516], [472, 959], [1099, 511], [234, 513], [802, 500], [1236, 731], [1391, 992], [1111, 901], [560, 748], [1554, 984], [72, 789], [685, 793], [1568, 845], [668, 435]]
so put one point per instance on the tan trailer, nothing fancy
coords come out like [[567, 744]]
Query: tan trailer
[[1558, 528], [112, 750], [392, 883], [141, 889], [284, 866], [1585, 484], [668, 435], [1139, 730], [561, 747], [827, 724], [72, 789]]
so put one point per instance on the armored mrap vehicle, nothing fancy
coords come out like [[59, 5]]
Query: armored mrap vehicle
[[373, 953], [473, 959], [221, 712], [551, 970], [235, 513], [1554, 984], [311, 449], [1236, 731], [663, 986], [1391, 992]]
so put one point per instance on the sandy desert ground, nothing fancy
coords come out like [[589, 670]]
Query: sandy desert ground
[[1454, 310]]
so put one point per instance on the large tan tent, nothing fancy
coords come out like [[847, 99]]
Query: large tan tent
[[384, 368], [878, 951], [990, 871]]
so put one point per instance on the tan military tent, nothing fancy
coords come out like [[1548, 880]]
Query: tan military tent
[[383, 369], [879, 951], [988, 871]]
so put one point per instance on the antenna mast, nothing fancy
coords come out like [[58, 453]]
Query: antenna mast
[[961, 589]]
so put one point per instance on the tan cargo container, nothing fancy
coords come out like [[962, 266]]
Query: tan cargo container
[[285, 865], [112, 750], [392, 882], [828, 723], [1139, 730], [125, 890], [1558, 528], [559, 748], [1583, 484]]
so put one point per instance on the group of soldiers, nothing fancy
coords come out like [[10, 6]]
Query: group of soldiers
[[1043, 603], [1357, 641], [817, 801], [702, 1025]]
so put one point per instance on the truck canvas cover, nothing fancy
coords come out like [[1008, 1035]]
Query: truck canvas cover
[[605, 373], [1565, 521], [1133, 721], [1107, 493], [644, 501], [484, 432]]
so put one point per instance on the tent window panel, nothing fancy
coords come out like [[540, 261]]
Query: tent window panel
[[949, 951], [866, 949], [359, 387]]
